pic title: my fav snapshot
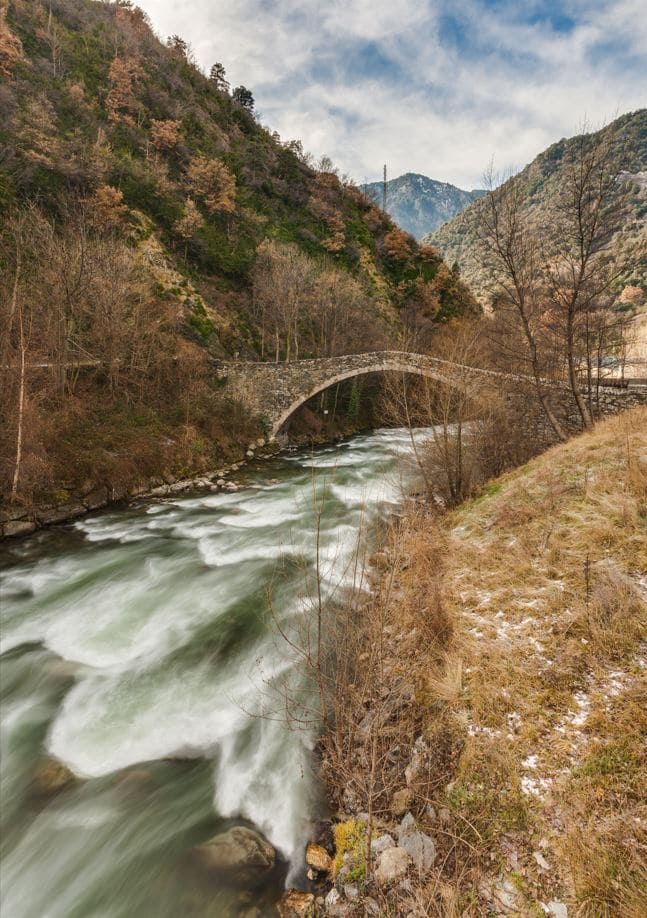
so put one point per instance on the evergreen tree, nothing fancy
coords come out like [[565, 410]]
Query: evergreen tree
[[244, 98], [218, 77]]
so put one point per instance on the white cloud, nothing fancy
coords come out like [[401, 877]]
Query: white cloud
[[504, 85]]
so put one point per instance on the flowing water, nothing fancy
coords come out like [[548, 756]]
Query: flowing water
[[138, 649]]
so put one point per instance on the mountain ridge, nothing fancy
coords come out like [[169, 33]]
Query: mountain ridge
[[420, 204], [539, 182]]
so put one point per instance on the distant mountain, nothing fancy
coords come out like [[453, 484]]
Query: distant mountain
[[540, 182], [420, 204]]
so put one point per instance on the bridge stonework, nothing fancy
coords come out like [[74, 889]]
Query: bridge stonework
[[274, 391]]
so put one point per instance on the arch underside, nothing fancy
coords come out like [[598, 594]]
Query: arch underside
[[287, 413]]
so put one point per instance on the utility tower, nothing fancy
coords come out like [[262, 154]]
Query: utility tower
[[384, 190]]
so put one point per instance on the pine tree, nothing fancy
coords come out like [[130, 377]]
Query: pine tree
[[244, 98], [218, 77]]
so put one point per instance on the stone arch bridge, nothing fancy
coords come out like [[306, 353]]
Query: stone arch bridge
[[274, 391]]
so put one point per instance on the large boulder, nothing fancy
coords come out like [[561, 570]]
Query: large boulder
[[297, 904], [391, 865], [241, 854]]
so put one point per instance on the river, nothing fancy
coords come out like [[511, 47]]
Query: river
[[137, 649]]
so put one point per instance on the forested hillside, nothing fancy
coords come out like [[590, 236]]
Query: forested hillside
[[150, 223], [539, 186]]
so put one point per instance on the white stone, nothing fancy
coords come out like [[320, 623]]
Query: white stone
[[333, 898], [378, 845], [419, 847], [407, 826], [391, 865]]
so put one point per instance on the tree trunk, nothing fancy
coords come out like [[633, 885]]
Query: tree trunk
[[21, 411], [572, 375], [543, 400]]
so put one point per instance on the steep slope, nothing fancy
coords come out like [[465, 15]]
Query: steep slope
[[420, 204], [540, 181], [149, 223]]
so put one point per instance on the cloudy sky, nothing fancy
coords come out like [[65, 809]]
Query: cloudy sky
[[433, 86]]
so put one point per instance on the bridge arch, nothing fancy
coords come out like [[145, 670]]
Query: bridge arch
[[382, 367]]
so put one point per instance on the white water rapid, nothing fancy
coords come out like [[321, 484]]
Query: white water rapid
[[138, 650]]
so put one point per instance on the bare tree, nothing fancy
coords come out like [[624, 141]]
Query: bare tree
[[509, 250], [283, 282], [578, 267]]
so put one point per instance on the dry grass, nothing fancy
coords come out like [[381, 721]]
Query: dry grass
[[521, 620]]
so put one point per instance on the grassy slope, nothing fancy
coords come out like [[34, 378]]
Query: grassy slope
[[520, 622], [547, 585]]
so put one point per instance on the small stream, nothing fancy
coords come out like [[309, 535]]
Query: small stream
[[138, 649]]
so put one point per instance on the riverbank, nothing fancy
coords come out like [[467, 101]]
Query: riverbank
[[70, 502], [490, 760]]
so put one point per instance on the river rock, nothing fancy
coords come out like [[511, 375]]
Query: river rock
[[18, 527], [135, 780], [97, 497], [52, 777], [294, 903], [391, 865], [242, 854], [318, 858], [421, 849], [336, 907]]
